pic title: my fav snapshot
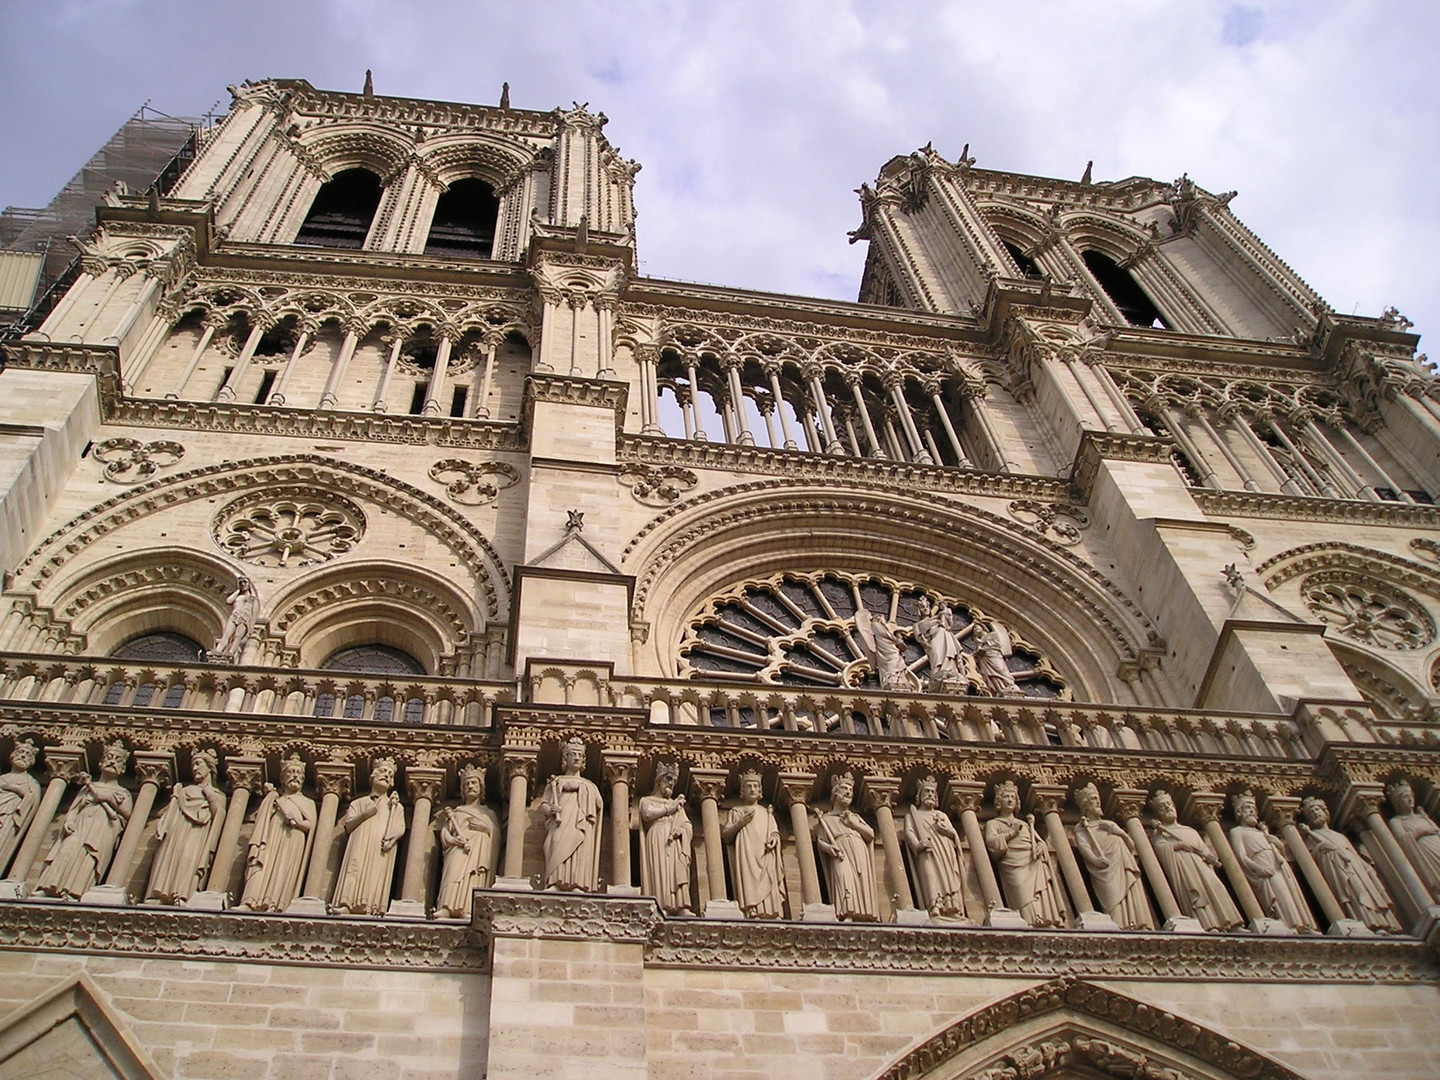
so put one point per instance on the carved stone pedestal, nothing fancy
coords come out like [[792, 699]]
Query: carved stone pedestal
[[513, 884], [209, 900], [1183, 924], [817, 913], [405, 909], [12, 889], [912, 917], [1271, 928], [1095, 920], [622, 890], [1006, 919], [307, 905], [106, 896], [723, 909], [1350, 928]]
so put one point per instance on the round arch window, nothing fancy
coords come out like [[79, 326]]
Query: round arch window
[[375, 659], [164, 647]]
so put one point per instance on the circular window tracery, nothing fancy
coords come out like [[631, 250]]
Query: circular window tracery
[[801, 630], [289, 530], [1368, 612]]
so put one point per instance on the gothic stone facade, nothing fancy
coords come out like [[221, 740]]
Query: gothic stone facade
[[432, 649]]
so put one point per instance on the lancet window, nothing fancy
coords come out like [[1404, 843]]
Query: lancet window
[[836, 629], [1126, 293], [464, 223]]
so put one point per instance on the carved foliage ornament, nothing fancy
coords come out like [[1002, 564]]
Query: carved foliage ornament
[[1062, 523], [473, 483], [290, 529], [1368, 612], [129, 461], [658, 485]]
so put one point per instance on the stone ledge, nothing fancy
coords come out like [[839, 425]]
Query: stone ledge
[[572, 916], [789, 946], [241, 937]]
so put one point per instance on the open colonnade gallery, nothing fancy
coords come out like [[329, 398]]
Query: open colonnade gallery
[[431, 648]]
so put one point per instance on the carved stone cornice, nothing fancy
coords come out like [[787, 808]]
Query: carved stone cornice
[[367, 427], [1252, 504], [582, 917], [1369, 763], [1098, 446], [168, 933], [821, 468], [791, 946], [571, 390]]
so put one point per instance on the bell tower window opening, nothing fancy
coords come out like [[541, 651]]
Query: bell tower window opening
[[464, 223], [1028, 267], [1124, 291], [343, 209]]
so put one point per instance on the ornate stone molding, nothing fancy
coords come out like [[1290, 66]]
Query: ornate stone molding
[[129, 461], [791, 946], [1097, 446], [576, 917], [1249, 504], [236, 936]]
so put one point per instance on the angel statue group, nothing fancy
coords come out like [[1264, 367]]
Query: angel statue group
[[934, 629]]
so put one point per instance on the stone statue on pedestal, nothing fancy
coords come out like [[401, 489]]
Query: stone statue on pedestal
[[573, 815], [1189, 867], [759, 876], [188, 831], [1417, 835], [845, 840], [1351, 878], [1109, 855], [374, 824], [19, 796], [665, 842], [239, 624], [1267, 866], [470, 838], [92, 828], [934, 846], [280, 845], [1023, 858]]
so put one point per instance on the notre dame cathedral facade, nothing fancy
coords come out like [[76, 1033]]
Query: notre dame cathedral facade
[[430, 648]]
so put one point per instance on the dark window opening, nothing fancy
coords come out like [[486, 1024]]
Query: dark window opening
[[464, 223], [457, 401], [1387, 494], [224, 378], [267, 383], [1420, 496], [1137, 308], [417, 399], [1028, 266], [342, 211], [165, 647], [373, 660], [275, 342]]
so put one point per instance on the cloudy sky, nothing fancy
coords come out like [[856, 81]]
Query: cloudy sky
[[755, 119]]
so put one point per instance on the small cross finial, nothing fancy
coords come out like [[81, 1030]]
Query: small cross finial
[[1233, 577], [369, 90], [575, 522], [504, 95]]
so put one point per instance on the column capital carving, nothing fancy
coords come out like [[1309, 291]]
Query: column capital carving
[[1127, 803], [1280, 810], [620, 765], [519, 763], [155, 767], [966, 795], [1047, 798], [245, 773], [66, 762], [649, 353], [708, 783], [1360, 802], [882, 791], [795, 787], [334, 777], [1205, 806], [423, 782]]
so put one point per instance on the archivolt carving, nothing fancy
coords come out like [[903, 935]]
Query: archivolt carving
[[1085, 1025], [1334, 555], [941, 539], [1367, 611], [308, 470]]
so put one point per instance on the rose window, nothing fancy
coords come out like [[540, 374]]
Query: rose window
[[834, 629], [1369, 613], [266, 530]]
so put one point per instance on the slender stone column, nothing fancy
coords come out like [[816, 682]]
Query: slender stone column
[[213, 321], [1205, 808], [932, 387], [794, 791], [883, 793], [895, 383], [772, 372], [481, 410], [435, 393], [965, 799], [1306, 421], [425, 786], [127, 320], [576, 301], [1231, 414], [334, 780], [620, 772], [648, 357], [1280, 811], [708, 785], [693, 375], [519, 767], [976, 399], [396, 342], [246, 774], [1166, 411], [329, 398], [67, 765], [1113, 392], [813, 373], [242, 362], [1126, 804], [604, 323], [853, 379], [1390, 482], [1047, 799], [154, 768], [732, 365]]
